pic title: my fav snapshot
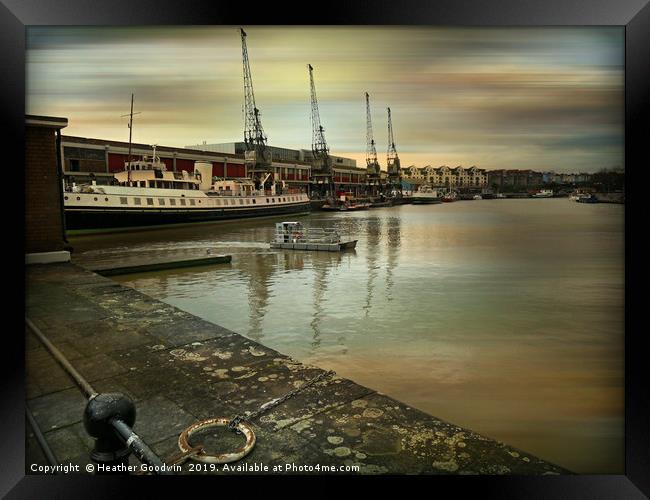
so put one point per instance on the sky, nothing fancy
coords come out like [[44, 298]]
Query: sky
[[516, 98]]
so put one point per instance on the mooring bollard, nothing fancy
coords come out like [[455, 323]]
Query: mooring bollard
[[110, 454]]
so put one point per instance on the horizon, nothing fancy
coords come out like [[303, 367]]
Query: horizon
[[543, 99]]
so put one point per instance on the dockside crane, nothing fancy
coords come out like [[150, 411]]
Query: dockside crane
[[393, 164], [373, 171], [257, 155], [321, 167]]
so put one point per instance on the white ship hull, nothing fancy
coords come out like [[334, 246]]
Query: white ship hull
[[110, 207]]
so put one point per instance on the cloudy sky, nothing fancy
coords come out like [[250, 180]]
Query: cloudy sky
[[541, 98]]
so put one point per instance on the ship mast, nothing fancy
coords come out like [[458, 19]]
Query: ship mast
[[257, 154], [130, 125]]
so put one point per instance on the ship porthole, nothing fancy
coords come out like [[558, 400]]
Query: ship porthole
[[105, 199], [65, 197], [95, 199], [78, 198]]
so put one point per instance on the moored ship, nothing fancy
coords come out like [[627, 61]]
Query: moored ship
[[146, 194]]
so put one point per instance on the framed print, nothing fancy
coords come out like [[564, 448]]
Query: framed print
[[396, 241]]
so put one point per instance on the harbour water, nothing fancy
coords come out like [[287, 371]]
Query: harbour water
[[503, 316]]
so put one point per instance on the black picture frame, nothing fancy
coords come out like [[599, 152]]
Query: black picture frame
[[15, 15]]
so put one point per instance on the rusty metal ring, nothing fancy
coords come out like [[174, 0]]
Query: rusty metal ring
[[223, 458]]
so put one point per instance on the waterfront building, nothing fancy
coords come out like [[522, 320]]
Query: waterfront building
[[445, 176], [87, 159]]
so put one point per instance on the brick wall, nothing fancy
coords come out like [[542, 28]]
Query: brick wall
[[43, 224]]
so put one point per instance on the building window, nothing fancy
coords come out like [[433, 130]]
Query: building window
[[123, 200], [137, 201]]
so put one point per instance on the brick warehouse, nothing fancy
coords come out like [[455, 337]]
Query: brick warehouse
[[83, 156], [44, 219]]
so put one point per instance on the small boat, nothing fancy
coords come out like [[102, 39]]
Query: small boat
[[477, 197], [331, 206], [425, 196], [379, 204], [449, 197], [587, 199], [294, 236], [578, 195], [543, 193], [500, 196], [350, 206]]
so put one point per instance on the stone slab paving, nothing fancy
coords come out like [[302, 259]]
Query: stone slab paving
[[180, 369]]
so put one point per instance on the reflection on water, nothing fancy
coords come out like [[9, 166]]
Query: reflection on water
[[504, 316]]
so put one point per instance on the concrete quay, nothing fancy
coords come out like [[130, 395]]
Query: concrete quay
[[179, 369]]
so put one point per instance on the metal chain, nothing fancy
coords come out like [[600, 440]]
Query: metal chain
[[277, 401]]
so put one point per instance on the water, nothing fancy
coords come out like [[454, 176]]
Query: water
[[503, 316]]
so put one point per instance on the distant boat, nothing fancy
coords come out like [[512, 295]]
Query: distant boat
[[578, 195], [543, 193], [449, 197], [426, 196], [587, 199], [349, 206], [477, 197]]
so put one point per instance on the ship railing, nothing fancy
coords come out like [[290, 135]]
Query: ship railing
[[320, 235]]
